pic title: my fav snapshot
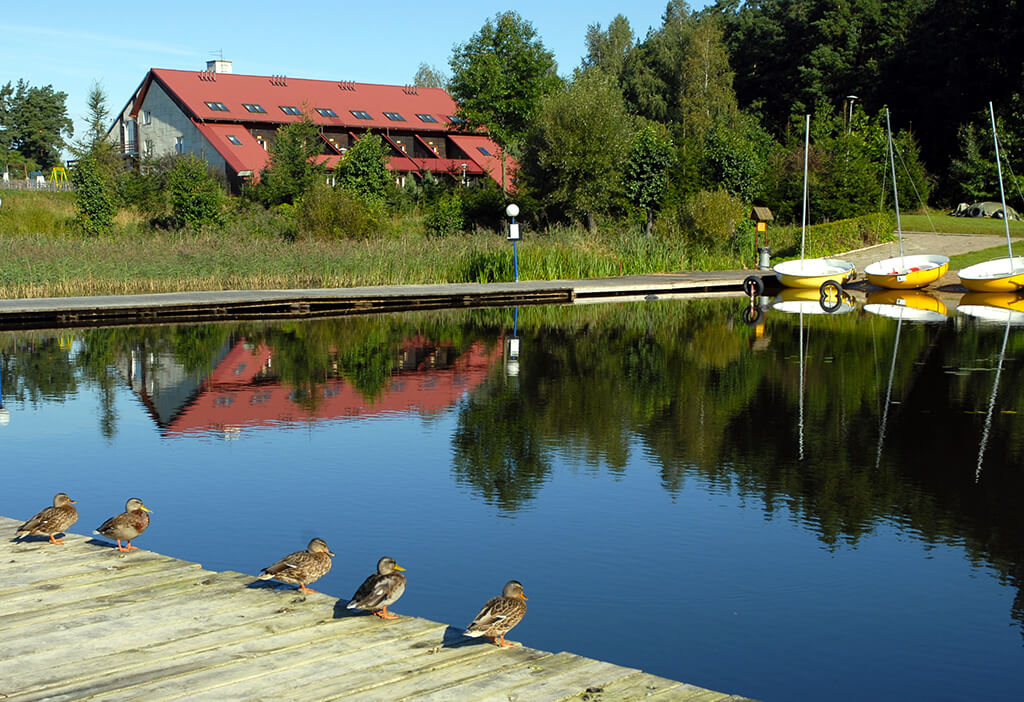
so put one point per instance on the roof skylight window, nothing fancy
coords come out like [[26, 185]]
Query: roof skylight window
[[234, 140], [394, 116], [216, 106], [290, 110], [360, 114], [253, 107], [426, 117], [484, 151], [326, 112]]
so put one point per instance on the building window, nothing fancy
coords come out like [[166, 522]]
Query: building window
[[426, 118], [326, 112], [484, 151], [216, 106], [394, 116], [179, 144], [252, 107], [149, 147], [234, 140], [290, 110], [147, 117], [262, 142], [455, 120], [360, 114]]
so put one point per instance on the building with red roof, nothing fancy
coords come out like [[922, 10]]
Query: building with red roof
[[230, 120]]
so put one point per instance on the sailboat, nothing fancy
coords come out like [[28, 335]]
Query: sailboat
[[999, 274], [904, 272], [812, 273]]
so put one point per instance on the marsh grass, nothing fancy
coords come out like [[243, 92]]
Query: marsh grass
[[43, 256]]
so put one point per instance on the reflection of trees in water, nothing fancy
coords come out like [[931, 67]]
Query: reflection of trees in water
[[687, 384]]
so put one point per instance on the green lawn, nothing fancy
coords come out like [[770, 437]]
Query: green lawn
[[941, 223]]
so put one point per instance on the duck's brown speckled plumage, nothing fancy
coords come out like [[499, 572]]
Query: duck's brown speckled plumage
[[380, 589], [500, 614], [52, 520], [127, 525], [302, 567]]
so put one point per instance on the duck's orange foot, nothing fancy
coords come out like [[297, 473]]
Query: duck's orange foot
[[127, 547], [385, 614], [54, 540], [305, 589], [503, 643]]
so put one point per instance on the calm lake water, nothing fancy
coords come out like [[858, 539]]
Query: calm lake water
[[816, 507]]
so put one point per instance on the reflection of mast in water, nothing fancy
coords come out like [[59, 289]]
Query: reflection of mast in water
[[992, 402], [801, 420], [888, 390]]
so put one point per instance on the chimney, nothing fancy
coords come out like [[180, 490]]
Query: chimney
[[218, 66]]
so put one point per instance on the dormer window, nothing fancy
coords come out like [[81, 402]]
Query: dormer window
[[216, 106], [326, 112], [253, 107], [426, 117], [360, 114], [394, 116], [290, 110], [234, 140]]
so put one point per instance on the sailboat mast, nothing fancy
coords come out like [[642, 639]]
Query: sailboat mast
[[1002, 195], [895, 193], [803, 219]]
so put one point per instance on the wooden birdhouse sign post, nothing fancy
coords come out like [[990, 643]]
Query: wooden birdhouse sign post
[[761, 217]]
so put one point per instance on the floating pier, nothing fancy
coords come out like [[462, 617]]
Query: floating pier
[[84, 621], [229, 305]]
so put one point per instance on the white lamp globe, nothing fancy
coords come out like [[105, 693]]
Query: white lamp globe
[[512, 210]]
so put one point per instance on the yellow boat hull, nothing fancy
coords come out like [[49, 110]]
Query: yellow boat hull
[[997, 275], [907, 272], [811, 273]]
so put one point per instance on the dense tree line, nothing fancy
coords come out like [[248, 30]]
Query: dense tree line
[[675, 133]]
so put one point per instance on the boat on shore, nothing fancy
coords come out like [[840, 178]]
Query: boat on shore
[[812, 273], [998, 274], [904, 272]]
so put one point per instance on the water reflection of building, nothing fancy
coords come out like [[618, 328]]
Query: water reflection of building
[[244, 390]]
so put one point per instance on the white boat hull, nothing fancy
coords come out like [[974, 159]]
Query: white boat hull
[[810, 273]]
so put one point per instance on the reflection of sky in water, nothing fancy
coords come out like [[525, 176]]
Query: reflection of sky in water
[[701, 585]]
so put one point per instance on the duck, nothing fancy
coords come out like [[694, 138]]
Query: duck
[[126, 526], [302, 567], [380, 589], [500, 614], [51, 520]]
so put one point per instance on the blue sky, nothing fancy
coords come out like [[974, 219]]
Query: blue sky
[[71, 44]]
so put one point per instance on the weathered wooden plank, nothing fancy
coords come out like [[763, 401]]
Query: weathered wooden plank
[[220, 675], [71, 586], [632, 687], [58, 670], [353, 675], [391, 659], [158, 584], [496, 682], [82, 620], [557, 684], [419, 683], [136, 622]]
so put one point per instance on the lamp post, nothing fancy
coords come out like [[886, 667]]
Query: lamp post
[[850, 99], [513, 235], [5, 414]]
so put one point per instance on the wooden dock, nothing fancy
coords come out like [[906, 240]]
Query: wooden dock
[[82, 621], [230, 305]]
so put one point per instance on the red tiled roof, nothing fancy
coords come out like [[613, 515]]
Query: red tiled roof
[[249, 156], [196, 88], [490, 162]]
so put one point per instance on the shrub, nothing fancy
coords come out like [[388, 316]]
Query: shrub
[[195, 196], [710, 219], [335, 213], [445, 216], [93, 198]]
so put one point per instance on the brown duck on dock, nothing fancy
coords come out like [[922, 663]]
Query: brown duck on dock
[[127, 525], [500, 614], [302, 567], [380, 589], [51, 520]]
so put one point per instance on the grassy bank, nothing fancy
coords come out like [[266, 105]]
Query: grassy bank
[[44, 256]]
